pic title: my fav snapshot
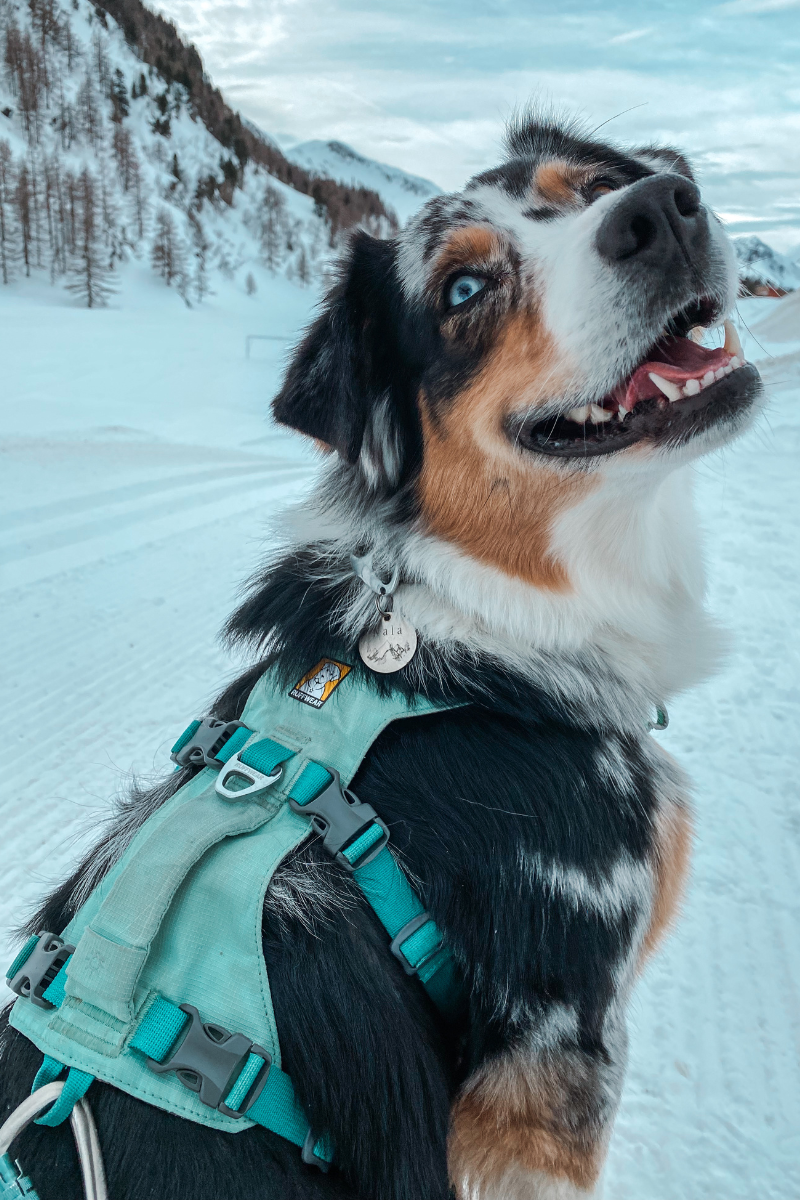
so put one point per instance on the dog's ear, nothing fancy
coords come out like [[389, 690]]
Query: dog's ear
[[348, 384], [662, 158]]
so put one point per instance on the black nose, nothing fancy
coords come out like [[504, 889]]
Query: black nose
[[654, 219]]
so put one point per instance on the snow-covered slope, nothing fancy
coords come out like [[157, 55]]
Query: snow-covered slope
[[104, 160], [139, 476], [401, 192], [760, 264]]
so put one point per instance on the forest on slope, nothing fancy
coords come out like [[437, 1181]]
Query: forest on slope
[[114, 145]]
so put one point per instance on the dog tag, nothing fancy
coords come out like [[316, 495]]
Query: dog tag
[[390, 646]]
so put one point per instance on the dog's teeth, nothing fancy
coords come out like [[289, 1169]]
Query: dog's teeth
[[727, 370], [669, 389], [732, 343], [692, 387], [696, 334], [718, 374], [707, 379], [735, 363], [599, 414], [580, 415]]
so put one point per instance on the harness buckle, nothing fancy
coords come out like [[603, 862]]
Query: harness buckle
[[205, 743], [37, 972], [404, 934], [339, 817], [208, 1061]]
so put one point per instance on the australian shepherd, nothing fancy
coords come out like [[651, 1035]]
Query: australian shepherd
[[510, 394]]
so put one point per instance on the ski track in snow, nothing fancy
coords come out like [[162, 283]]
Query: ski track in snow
[[121, 550]]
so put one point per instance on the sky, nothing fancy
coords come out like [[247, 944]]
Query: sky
[[428, 86]]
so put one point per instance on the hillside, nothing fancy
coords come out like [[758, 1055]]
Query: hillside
[[762, 270], [402, 192], [116, 148]]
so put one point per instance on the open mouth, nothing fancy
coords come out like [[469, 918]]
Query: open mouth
[[680, 389]]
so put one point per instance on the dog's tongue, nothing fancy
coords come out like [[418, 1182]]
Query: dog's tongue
[[676, 359]]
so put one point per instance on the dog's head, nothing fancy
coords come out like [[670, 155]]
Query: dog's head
[[527, 341]]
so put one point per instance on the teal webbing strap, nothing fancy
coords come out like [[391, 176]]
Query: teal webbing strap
[[75, 1088], [185, 737], [276, 1107], [393, 900], [23, 956], [234, 743], [264, 755]]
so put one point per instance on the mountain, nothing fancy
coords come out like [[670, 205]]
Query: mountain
[[402, 192], [763, 270], [115, 148]]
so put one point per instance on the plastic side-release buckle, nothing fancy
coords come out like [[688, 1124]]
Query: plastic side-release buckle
[[208, 1061], [340, 817], [37, 972], [205, 743]]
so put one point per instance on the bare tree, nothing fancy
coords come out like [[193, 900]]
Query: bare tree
[[137, 192], [88, 111], [22, 202], [201, 247], [9, 251], [91, 275], [272, 227], [168, 255]]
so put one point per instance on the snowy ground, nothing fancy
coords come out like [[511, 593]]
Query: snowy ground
[[138, 478]]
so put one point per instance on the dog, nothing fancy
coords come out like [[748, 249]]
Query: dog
[[508, 394]]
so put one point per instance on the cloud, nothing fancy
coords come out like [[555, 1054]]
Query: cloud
[[755, 7], [632, 35], [429, 87]]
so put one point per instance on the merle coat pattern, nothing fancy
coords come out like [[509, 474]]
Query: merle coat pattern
[[544, 829]]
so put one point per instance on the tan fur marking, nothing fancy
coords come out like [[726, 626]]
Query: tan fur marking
[[557, 182], [476, 490], [528, 1117], [468, 246], [673, 848]]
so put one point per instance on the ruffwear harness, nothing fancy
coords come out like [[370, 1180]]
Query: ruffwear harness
[[158, 985]]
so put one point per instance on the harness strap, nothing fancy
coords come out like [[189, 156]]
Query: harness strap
[[259, 1088], [416, 940]]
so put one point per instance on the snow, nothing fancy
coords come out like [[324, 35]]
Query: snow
[[139, 477], [758, 262], [402, 192]]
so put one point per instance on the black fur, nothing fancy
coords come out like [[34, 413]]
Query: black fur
[[484, 803], [362, 352], [467, 794]]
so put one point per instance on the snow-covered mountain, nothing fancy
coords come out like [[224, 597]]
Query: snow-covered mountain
[[761, 267], [116, 149], [400, 191]]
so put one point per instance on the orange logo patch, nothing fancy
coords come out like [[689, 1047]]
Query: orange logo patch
[[315, 687]]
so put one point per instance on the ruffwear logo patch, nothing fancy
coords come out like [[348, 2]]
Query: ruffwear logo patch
[[323, 679]]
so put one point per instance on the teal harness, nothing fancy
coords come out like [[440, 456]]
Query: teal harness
[[158, 984]]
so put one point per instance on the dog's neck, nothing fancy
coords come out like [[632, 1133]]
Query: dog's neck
[[628, 633]]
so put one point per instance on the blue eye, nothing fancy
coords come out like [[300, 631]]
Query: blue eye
[[464, 288]]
